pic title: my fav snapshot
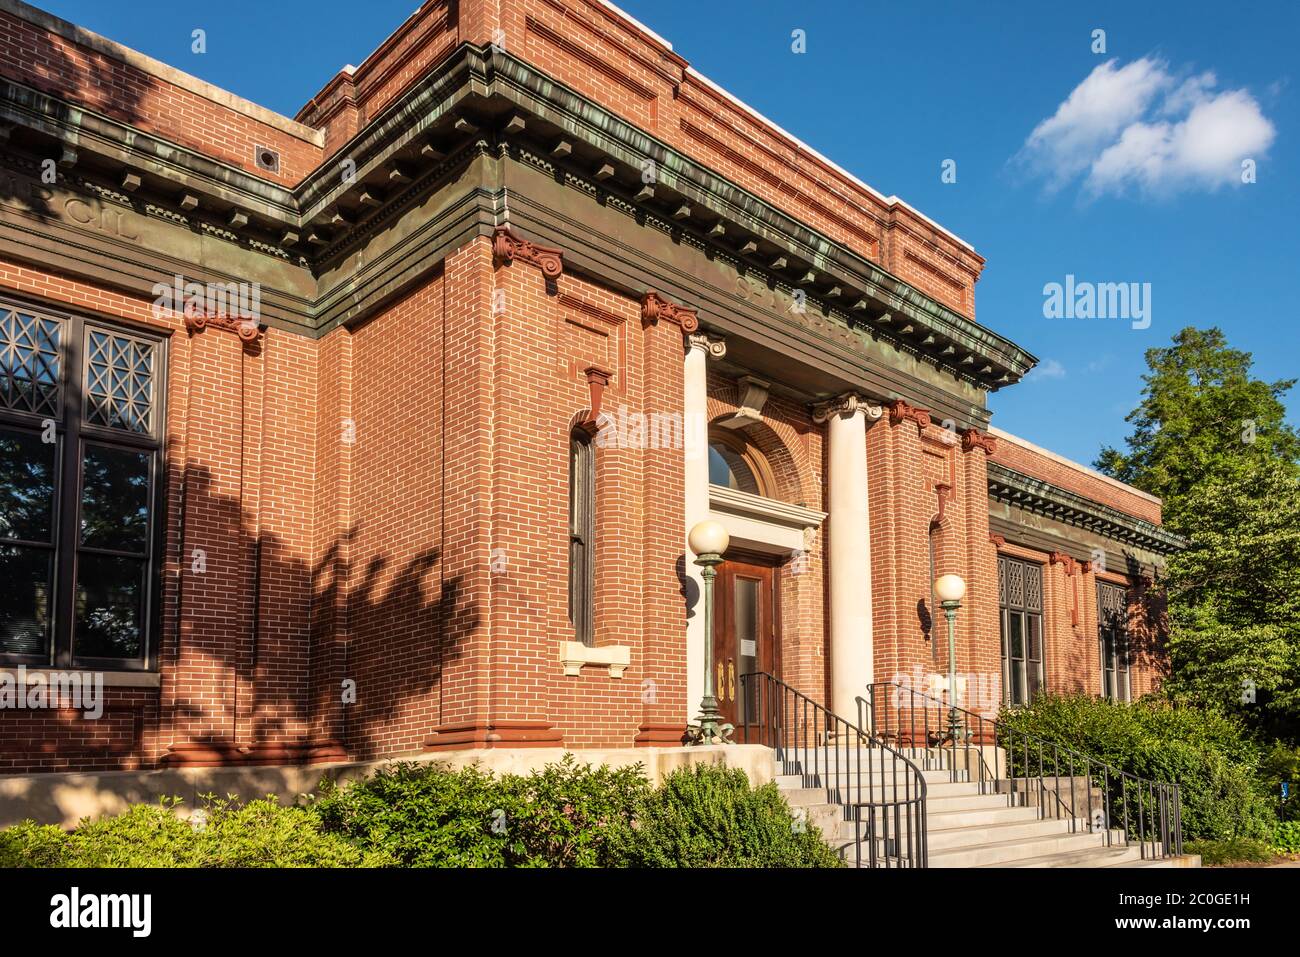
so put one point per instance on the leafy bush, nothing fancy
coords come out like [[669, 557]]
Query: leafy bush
[[1286, 837], [1236, 850], [1207, 754], [224, 834], [709, 816], [425, 815]]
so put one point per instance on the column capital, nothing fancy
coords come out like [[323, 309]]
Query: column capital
[[715, 346], [847, 405]]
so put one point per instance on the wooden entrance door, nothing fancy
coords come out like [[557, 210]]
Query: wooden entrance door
[[745, 628]]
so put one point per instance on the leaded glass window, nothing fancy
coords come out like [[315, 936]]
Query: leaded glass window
[[30, 361], [119, 381], [1020, 597], [80, 456], [1112, 640]]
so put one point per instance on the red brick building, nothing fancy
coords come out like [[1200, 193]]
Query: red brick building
[[381, 429]]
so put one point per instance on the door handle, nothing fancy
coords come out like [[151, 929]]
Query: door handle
[[731, 679], [722, 689]]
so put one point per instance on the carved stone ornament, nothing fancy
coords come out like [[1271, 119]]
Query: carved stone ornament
[[972, 439], [900, 411], [197, 319], [997, 540], [655, 307], [507, 247], [847, 404]]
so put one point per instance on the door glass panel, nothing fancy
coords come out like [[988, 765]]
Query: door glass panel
[[747, 593]]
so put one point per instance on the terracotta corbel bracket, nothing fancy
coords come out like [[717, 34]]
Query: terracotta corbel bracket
[[972, 439], [508, 247], [198, 319], [998, 541], [655, 307], [900, 411]]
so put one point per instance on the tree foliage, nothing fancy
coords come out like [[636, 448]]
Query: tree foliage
[[1213, 442]]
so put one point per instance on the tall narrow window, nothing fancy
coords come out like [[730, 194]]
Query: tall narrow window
[[1020, 598], [582, 535], [80, 426], [1112, 640]]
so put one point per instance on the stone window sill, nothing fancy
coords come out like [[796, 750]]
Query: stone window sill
[[112, 679], [574, 654]]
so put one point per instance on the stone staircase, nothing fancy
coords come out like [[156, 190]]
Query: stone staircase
[[964, 828]]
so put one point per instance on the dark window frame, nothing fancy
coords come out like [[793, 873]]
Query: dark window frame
[[582, 535], [1112, 636], [1029, 614], [75, 432]]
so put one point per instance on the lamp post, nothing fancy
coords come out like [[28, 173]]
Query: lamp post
[[950, 589], [709, 540]]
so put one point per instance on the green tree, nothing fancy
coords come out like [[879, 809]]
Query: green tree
[[1234, 595], [1213, 442], [1201, 411]]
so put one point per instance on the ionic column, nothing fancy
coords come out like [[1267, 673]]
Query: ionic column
[[695, 432], [849, 552]]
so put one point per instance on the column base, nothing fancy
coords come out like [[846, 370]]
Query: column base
[[660, 736], [494, 734]]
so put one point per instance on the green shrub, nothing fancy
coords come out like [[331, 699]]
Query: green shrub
[[225, 834], [425, 815], [1235, 850], [1286, 837], [709, 816], [1207, 754]]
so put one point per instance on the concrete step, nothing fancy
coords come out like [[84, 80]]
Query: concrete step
[[1001, 852], [1102, 856], [981, 834], [975, 817]]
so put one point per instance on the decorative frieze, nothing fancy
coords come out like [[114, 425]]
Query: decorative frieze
[[507, 247], [655, 307]]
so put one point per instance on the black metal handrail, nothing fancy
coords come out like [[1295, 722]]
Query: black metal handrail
[[1150, 811], [881, 791]]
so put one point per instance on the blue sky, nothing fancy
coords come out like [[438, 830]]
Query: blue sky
[[1134, 178]]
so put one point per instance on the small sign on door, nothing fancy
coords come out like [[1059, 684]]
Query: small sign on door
[[748, 648]]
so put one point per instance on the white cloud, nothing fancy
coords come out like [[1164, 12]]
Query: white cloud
[[1047, 369], [1140, 126]]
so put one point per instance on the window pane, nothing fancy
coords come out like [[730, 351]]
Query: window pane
[[1017, 684], [109, 600], [115, 499], [1017, 623], [119, 382], [1035, 624], [1035, 674], [26, 486], [25, 600], [29, 362], [727, 468]]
